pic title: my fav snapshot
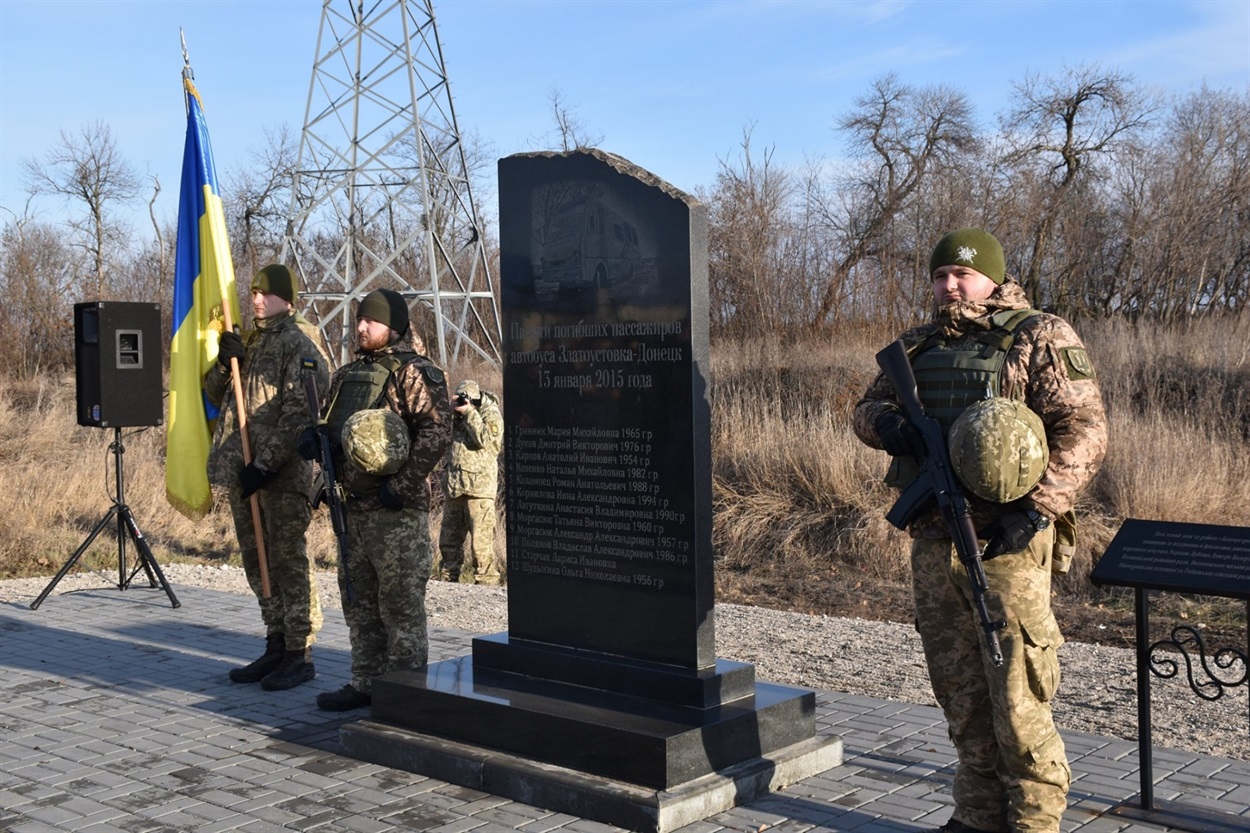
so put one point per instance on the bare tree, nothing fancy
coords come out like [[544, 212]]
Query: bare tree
[[569, 127], [162, 240], [750, 233], [1062, 135], [88, 167], [901, 137], [1190, 198], [257, 198], [38, 282]]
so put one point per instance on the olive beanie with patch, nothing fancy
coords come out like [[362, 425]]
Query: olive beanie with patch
[[972, 247]]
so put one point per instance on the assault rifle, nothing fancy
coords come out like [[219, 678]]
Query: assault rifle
[[331, 492], [937, 482]]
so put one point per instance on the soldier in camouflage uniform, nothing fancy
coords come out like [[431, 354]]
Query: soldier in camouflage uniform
[[472, 479], [1013, 772], [390, 552], [271, 357]]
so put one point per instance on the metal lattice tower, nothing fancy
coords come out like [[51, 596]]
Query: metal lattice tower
[[381, 195]]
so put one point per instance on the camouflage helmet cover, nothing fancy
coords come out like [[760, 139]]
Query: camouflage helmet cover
[[998, 449], [376, 441]]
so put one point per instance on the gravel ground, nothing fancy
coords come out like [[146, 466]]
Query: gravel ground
[[875, 659]]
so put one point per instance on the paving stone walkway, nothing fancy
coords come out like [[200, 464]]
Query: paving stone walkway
[[116, 716]]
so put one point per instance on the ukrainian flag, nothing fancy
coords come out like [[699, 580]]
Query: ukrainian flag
[[203, 279]]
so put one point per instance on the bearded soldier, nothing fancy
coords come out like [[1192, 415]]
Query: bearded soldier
[[986, 344], [387, 483], [271, 359], [472, 479]]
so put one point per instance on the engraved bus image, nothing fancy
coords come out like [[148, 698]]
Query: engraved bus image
[[588, 245]]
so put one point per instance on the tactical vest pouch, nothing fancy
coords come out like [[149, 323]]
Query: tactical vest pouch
[[1065, 543]]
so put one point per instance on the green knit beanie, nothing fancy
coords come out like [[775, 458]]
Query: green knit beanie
[[386, 306], [276, 279], [971, 247]]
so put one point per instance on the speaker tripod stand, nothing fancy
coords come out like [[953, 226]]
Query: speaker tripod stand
[[126, 525]]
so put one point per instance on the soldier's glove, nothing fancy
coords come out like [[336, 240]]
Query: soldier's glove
[[388, 498], [1012, 532], [252, 478], [230, 346], [308, 446], [898, 436]]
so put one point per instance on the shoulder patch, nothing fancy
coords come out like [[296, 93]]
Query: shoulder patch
[[432, 374], [1077, 362]]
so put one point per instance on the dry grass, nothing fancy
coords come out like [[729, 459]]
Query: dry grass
[[60, 482], [799, 505]]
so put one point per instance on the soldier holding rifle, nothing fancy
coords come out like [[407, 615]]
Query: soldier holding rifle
[[271, 360], [1012, 392], [389, 419]]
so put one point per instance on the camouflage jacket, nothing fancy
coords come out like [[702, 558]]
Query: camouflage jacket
[[417, 391], [1048, 369], [473, 460], [272, 375]]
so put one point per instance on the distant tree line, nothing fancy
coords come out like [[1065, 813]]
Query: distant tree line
[[1108, 202]]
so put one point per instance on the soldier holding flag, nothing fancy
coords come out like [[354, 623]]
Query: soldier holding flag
[[271, 360]]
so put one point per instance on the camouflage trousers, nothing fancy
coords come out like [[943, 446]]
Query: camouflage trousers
[[294, 606], [474, 518], [389, 558], [1013, 772]]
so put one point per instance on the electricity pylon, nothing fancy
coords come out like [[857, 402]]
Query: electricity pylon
[[381, 195]]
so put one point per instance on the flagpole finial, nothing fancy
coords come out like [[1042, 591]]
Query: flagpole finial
[[187, 74]]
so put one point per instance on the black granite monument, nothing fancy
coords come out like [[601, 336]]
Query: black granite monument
[[607, 673]]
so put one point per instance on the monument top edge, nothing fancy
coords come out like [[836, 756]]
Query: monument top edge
[[618, 163]]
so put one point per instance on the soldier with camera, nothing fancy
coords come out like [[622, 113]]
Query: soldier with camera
[[472, 479]]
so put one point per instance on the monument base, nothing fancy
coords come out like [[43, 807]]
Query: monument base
[[564, 790], [630, 761]]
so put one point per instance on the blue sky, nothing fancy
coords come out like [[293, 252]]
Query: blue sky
[[670, 85]]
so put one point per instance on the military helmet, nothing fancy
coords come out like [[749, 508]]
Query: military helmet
[[998, 449], [375, 441]]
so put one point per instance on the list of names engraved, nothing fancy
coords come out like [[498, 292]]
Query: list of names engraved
[[589, 500]]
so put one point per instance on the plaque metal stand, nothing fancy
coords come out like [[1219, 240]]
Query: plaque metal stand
[[1179, 558]]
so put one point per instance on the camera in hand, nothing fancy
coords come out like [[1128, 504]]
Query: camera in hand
[[461, 400]]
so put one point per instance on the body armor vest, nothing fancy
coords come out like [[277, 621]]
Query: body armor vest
[[949, 378], [362, 387]]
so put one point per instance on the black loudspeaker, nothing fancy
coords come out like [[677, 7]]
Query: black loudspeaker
[[117, 356]]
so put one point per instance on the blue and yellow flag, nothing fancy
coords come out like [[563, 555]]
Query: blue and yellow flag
[[203, 277]]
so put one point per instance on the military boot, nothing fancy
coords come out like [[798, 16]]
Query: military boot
[[954, 826], [253, 672], [345, 699], [451, 575], [296, 667]]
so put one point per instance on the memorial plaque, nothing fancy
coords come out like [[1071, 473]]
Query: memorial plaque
[[608, 464], [1181, 557]]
